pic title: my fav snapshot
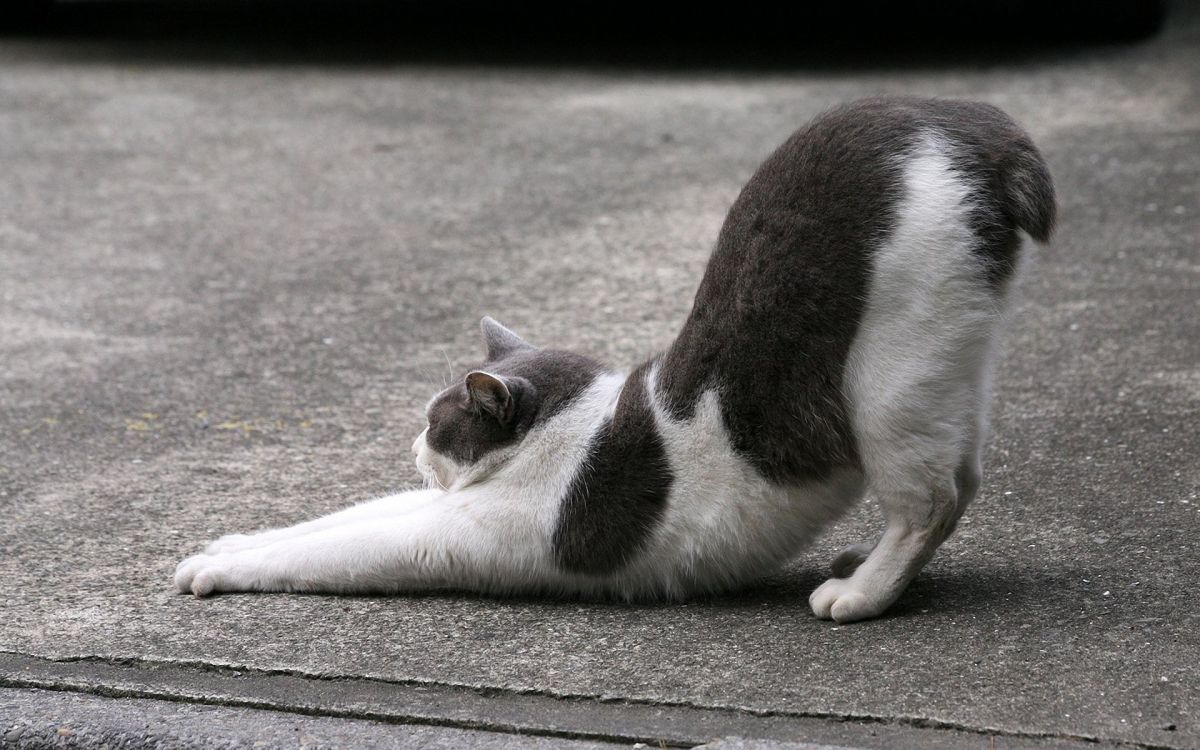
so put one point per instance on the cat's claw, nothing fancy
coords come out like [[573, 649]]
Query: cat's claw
[[848, 560], [841, 600]]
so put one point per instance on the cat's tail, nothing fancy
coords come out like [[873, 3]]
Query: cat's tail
[[1011, 169], [1028, 190]]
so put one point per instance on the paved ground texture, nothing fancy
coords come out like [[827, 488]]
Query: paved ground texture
[[228, 283]]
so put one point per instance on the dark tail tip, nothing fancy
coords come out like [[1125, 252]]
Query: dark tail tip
[[1031, 196]]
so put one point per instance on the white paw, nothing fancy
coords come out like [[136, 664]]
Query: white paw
[[232, 543], [840, 599], [207, 574], [848, 560]]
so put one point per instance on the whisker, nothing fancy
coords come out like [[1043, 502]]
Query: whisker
[[428, 378], [449, 367]]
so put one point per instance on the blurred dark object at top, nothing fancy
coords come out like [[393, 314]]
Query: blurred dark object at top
[[601, 32]]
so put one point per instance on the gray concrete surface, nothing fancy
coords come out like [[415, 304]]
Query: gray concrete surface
[[36, 719], [226, 289]]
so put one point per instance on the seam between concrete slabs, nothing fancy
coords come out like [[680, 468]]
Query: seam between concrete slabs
[[592, 717]]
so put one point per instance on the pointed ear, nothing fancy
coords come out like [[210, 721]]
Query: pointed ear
[[491, 394], [500, 340]]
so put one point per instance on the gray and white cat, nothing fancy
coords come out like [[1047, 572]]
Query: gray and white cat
[[840, 345]]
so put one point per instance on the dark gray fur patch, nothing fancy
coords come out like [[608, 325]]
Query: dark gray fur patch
[[542, 382], [619, 495], [786, 286]]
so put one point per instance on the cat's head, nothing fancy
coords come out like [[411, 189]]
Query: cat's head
[[479, 423]]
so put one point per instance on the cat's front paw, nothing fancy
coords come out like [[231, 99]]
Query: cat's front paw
[[207, 574], [841, 599]]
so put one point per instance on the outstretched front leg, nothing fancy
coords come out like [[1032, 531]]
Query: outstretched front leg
[[465, 540], [384, 507]]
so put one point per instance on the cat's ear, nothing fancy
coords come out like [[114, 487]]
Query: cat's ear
[[500, 340], [491, 394]]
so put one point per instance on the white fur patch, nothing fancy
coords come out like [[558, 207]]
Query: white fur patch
[[725, 524]]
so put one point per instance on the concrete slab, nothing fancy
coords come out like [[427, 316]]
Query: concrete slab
[[228, 286]]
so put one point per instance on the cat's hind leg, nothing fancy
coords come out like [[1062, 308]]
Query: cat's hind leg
[[848, 560], [919, 518], [924, 466], [967, 479], [917, 378]]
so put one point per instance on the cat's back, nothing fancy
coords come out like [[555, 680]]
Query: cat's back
[[791, 275], [838, 178]]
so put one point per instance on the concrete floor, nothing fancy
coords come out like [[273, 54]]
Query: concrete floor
[[229, 283]]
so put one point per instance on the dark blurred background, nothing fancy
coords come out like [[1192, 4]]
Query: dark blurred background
[[610, 33]]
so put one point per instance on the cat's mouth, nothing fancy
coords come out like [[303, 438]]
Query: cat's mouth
[[434, 479]]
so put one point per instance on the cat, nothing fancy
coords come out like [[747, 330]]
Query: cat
[[841, 344]]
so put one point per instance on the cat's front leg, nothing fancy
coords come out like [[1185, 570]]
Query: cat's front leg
[[351, 558], [383, 507], [462, 540]]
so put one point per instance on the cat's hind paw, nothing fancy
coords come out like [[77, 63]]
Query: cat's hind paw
[[840, 599], [848, 560]]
